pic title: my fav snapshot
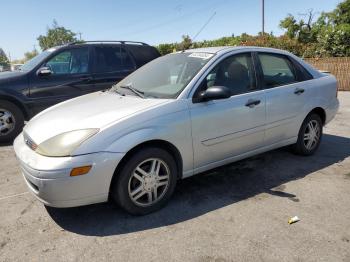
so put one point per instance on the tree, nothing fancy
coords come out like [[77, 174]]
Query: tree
[[29, 55], [57, 35], [166, 48], [3, 57], [341, 15], [302, 29], [328, 36], [290, 25], [186, 42]]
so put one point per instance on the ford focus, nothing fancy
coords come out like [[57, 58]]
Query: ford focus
[[177, 116]]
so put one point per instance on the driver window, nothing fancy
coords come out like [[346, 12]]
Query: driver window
[[75, 61], [235, 72]]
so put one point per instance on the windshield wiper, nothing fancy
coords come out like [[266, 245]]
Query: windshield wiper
[[135, 91]]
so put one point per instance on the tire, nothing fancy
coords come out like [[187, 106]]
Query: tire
[[145, 183], [11, 121], [302, 146]]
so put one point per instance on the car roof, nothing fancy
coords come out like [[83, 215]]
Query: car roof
[[226, 49]]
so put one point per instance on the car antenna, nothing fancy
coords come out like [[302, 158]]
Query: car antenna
[[202, 28]]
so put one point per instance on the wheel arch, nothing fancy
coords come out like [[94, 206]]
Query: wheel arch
[[321, 112], [169, 147], [17, 103]]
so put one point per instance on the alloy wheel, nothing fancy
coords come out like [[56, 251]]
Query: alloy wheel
[[7, 122], [312, 134], [149, 182]]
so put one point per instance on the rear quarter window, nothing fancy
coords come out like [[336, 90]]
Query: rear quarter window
[[302, 73], [143, 54]]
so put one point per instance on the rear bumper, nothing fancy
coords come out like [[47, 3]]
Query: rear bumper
[[332, 110], [48, 178]]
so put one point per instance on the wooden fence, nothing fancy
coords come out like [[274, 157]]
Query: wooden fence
[[338, 66]]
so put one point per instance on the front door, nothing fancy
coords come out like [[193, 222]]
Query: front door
[[223, 129], [70, 77]]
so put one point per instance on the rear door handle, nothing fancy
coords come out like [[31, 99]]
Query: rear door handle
[[252, 103], [298, 91]]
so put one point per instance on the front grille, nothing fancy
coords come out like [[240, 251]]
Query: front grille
[[29, 142]]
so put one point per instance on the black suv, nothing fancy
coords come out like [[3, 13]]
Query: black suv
[[64, 72]]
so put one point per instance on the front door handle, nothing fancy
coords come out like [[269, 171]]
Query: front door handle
[[86, 78], [298, 91], [252, 103]]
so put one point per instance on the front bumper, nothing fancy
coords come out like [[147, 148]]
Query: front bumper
[[48, 178]]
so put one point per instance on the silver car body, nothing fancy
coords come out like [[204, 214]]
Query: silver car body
[[204, 135]]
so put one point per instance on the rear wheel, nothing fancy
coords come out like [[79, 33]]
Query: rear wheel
[[146, 181], [11, 121], [310, 135]]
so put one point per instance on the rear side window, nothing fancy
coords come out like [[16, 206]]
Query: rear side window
[[143, 54], [302, 73], [107, 59], [112, 59], [277, 70], [127, 62]]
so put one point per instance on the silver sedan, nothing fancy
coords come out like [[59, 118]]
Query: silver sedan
[[177, 116]]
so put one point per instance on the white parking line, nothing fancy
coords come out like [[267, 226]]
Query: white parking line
[[20, 194]]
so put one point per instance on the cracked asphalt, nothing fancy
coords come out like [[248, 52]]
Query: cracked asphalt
[[238, 212]]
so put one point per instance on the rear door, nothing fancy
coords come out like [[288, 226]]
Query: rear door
[[70, 77], [142, 53], [285, 96], [111, 64]]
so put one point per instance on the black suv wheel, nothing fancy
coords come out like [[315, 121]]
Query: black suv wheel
[[11, 121]]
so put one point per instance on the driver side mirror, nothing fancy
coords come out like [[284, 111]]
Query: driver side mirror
[[213, 93], [44, 71]]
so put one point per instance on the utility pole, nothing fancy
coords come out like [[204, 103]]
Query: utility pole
[[263, 17]]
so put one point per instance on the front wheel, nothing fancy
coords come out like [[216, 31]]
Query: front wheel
[[146, 181], [310, 135], [11, 121]]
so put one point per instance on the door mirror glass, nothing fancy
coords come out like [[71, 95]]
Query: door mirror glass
[[44, 71], [214, 93]]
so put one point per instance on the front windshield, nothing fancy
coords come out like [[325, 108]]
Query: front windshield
[[30, 64], [166, 76]]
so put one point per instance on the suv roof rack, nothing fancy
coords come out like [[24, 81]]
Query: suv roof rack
[[107, 41]]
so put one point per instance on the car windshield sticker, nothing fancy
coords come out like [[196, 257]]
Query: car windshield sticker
[[201, 55], [51, 49]]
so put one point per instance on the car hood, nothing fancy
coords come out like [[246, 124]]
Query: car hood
[[9, 75], [95, 110]]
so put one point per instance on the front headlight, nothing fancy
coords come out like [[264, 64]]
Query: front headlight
[[64, 144]]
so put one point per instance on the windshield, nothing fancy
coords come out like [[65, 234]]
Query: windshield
[[30, 64], [164, 77]]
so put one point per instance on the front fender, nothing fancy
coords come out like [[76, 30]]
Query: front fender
[[177, 138], [174, 128], [129, 140]]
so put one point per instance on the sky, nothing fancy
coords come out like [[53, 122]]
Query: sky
[[151, 21]]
